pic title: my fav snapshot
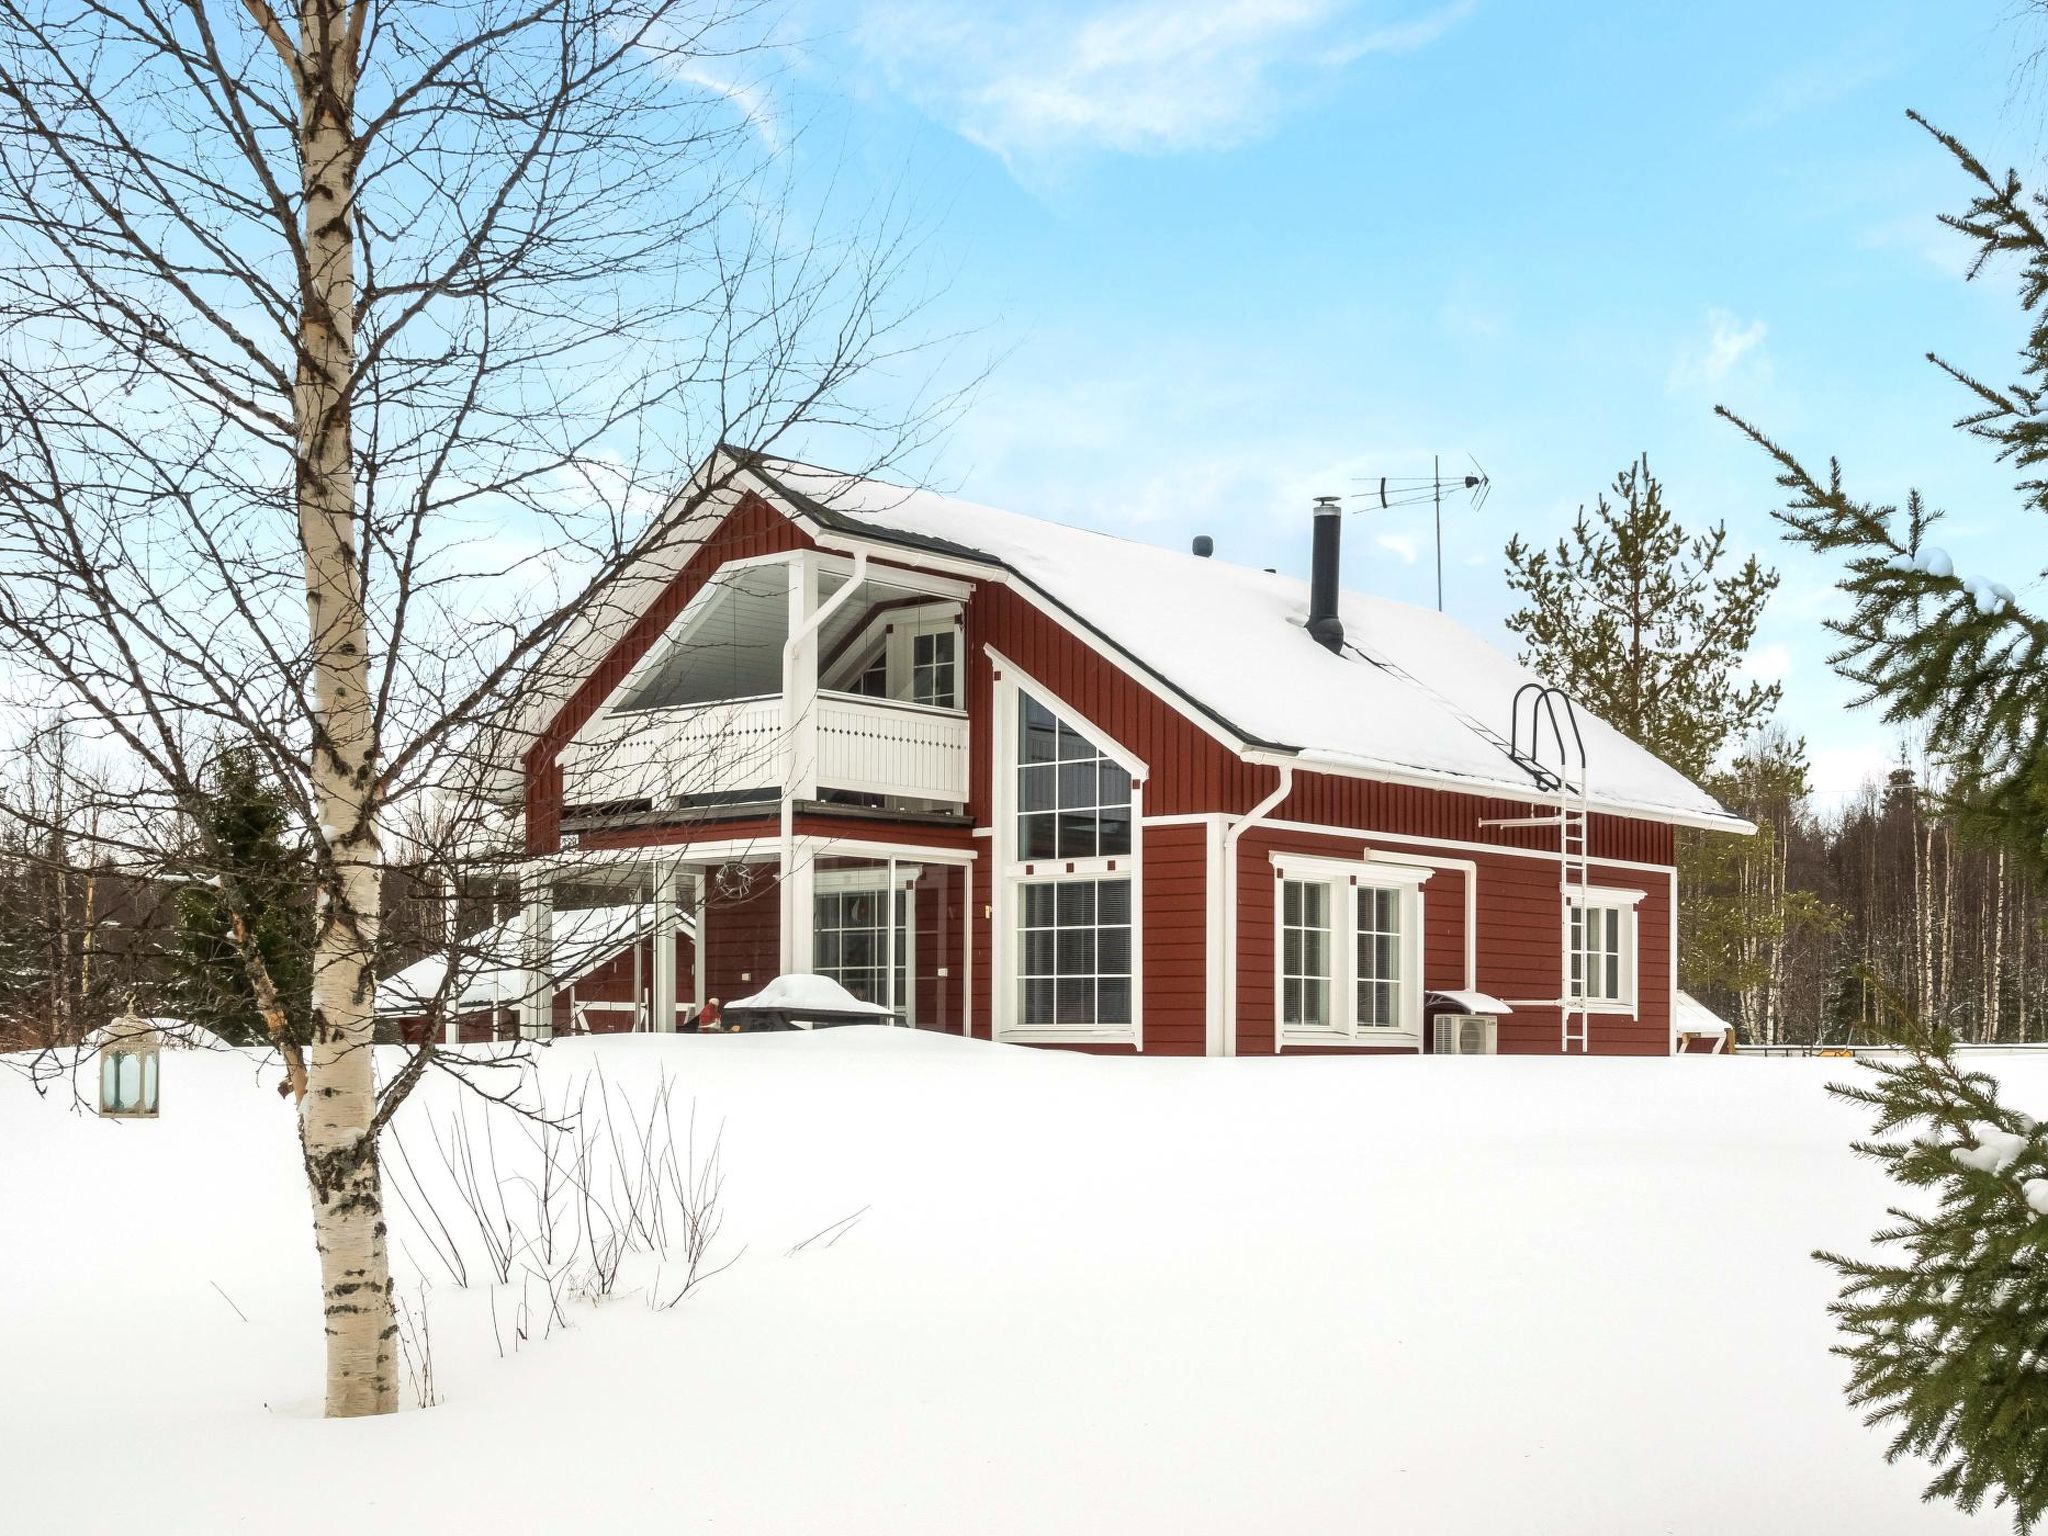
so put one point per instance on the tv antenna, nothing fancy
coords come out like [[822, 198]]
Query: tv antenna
[[1386, 492]]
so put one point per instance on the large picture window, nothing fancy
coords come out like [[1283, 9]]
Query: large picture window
[[1070, 886], [1076, 966], [1348, 952], [1073, 801]]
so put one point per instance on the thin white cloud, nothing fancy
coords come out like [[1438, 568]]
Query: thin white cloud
[[1136, 76], [1729, 344], [1403, 546], [752, 101]]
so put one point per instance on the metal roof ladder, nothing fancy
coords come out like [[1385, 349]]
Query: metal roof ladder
[[1543, 720]]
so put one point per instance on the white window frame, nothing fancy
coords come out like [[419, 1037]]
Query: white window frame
[[853, 881], [1347, 877], [1012, 873], [1624, 904], [894, 632]]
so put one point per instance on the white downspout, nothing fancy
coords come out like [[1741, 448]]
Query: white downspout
[[1231, 838], [792, 649]]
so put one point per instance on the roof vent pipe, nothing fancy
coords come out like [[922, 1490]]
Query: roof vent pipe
[[1324, 627], [1204, 545]]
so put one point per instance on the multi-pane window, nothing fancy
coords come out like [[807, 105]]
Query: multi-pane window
[[1305, 954], [1073, 802], [1076, 963], [1378, 974], [1599, 960], [1347, 952], [873, 682], [933, 669], [851, 945]]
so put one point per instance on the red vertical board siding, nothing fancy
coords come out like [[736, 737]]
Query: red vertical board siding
[[743, 943], [941, 902], [1174, 952]]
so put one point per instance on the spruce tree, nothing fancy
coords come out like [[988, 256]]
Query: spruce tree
[[1634, 617], [1948, 653], [1947, 1332], [1947, 1328], [254, 871]]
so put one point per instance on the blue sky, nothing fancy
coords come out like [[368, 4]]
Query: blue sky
[[1229, 255]]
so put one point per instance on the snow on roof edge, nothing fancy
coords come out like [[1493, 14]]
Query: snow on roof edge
[[764, 468]]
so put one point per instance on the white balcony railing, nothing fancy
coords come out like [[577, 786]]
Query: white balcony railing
[[869, 746]]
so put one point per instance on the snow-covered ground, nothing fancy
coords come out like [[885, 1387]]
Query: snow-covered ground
[[1427, 1296]]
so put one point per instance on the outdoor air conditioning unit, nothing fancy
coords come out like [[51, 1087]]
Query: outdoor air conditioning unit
[[1465, 1034]]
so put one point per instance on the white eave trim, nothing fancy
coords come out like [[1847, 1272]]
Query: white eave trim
[[1524, 794]]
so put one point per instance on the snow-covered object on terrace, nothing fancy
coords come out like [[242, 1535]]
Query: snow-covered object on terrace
[[802, 997], [493, 962], [1413, 695]]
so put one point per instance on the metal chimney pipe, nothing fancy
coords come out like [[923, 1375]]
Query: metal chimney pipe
[[1324, 627]]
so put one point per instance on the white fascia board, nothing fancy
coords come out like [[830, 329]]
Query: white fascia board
[[1338, 765]]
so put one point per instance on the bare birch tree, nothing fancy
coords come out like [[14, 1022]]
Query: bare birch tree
[[344, 351]]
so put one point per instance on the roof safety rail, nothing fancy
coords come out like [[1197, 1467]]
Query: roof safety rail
[[1537, 706]]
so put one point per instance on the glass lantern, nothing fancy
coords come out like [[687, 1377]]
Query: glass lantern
[[128, 1069]]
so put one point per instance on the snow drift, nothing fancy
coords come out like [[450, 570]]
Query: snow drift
[[1081, 1294]]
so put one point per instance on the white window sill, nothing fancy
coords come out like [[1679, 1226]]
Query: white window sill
[[1380, 1039], [1120, 1036]]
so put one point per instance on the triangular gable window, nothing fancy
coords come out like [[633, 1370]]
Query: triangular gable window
[[1073, 801]]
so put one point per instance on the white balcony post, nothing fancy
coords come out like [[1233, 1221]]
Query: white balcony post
[[536, 940], [664, 1020], [700, 880], [800, 735]]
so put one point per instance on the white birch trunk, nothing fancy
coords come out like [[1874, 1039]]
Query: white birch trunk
[[341, 1097]]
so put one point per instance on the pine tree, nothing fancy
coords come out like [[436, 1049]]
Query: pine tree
[[1632, 616], [1950, 654], [1947, 1331], [1635, 618], [255, 873]]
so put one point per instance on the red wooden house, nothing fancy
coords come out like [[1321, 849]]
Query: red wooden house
[[1047, 786]]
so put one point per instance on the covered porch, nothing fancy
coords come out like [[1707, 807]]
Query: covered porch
[[886, 921]]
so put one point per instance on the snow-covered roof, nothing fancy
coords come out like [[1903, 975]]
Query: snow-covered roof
[[1415, 694], [492, 965], [1690, 1016]]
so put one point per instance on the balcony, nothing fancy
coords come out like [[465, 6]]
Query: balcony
[[740, 749]]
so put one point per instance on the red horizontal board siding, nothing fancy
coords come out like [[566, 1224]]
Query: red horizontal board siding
[[1190, 772]]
